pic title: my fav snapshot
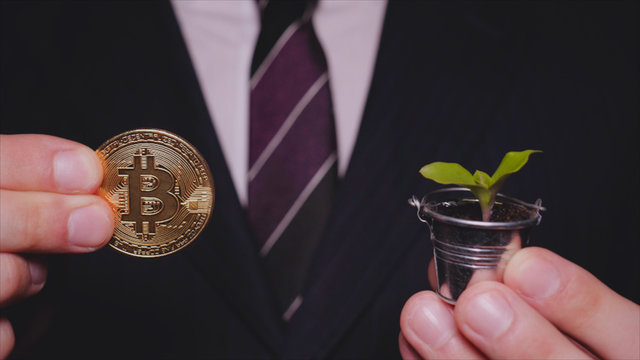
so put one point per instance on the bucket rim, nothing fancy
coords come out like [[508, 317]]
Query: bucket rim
[[425, 208]]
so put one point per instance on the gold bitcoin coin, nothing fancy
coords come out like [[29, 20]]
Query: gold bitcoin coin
[[160, 188]]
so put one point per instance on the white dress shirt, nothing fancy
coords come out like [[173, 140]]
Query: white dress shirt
[[221, 36]]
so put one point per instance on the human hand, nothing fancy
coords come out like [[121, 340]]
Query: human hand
[[546, 308], [47, 205]]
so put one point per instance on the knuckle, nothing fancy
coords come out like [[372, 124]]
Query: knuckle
[[28, 219], [25, 228], [7, 338], [39, 220], [418, 298], [14, 276], [530, 252], [584, 301]]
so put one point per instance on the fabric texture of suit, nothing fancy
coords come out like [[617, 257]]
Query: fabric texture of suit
[[453, 82]]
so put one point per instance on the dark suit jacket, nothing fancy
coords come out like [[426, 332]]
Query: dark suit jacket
[[453, 82]]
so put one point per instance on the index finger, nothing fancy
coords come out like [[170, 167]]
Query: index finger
[[47, 163], [37, 222]]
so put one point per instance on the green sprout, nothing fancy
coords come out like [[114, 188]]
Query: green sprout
[[483, 186]]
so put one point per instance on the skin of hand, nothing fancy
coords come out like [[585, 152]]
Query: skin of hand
[[547, 308], [47, 205]]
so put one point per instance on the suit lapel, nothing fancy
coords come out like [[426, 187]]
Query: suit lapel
[[372, 225], [433, 92], [225, 253]]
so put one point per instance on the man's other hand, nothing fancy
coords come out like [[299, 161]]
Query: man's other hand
[[547, 308]]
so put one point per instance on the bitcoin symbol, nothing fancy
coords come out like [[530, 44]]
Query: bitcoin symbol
[[150, 198]]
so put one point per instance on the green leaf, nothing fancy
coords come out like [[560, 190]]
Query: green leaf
[[482, 178], [483, 186], [448, 173], [512, 162]]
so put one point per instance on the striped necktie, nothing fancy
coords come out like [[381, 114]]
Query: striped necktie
[[292, 165]]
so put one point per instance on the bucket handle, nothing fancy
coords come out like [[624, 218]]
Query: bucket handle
[[538, 207], [418, 204]]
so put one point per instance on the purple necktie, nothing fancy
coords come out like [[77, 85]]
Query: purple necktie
[[292, 158]]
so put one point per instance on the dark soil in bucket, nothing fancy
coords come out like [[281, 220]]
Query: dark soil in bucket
[[470, 210]]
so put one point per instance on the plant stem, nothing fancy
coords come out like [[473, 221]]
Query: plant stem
[[486, 211]]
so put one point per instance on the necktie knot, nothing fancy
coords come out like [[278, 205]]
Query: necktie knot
[[275, 17]]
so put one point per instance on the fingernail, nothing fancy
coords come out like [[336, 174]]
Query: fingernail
[[74, 171], [88, 227], [38, 272], [489, 315], [537, 278], [432, 322]]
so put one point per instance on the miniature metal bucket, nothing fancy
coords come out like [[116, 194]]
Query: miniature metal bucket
[[470, 251]]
